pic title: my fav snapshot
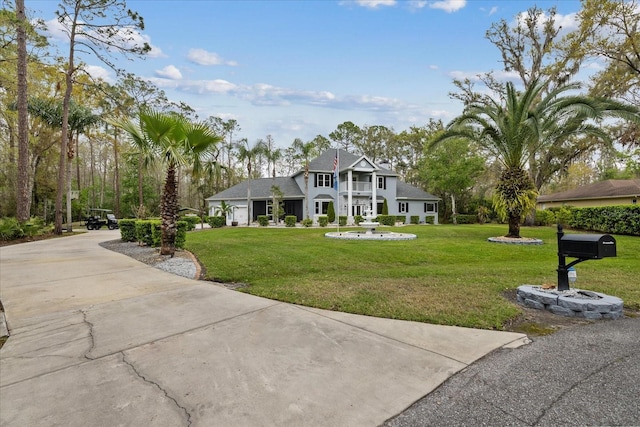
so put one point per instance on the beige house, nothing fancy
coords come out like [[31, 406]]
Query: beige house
[[606, 193]]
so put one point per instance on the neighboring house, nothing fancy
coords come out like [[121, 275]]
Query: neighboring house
[[606, 193], [360, 180]]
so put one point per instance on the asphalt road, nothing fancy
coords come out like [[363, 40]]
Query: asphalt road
[[583, 376]]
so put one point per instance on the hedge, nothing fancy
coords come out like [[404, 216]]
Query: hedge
[[290, 220], [608, 219], [429, 219], [415, 219], [127, 230], [323, 221], [263, 220], [386, 219], [144, 231], [342, 220], [192, 221], [307, 222], [466, 219], [544, 217], [216, 221]]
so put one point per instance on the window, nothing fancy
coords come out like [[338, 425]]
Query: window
[[430, 207], [322, 206], [324, 180], [382, 182], [403, 207]]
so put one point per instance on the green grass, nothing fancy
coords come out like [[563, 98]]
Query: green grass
[[449, 275]]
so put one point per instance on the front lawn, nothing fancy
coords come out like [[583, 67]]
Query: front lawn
[[449, 275]]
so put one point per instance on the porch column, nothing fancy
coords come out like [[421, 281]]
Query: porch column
[[350, 197], [374, 194]]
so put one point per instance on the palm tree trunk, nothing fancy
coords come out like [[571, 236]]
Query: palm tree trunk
[[169, 209], [514, 226]]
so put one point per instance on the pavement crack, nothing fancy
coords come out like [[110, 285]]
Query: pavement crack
[[578, 383], [147, 380], [92, 340]]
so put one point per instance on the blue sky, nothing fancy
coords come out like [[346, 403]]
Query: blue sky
[[299, 68]]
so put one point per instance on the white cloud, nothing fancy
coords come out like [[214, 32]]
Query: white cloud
[[98, 72], [493, 10], [202, 57], [433, 67], [374, 4], [567, 23], [448, 6], [169, 72]]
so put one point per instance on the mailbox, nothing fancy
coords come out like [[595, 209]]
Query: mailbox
[[587, 246], [581, 246]]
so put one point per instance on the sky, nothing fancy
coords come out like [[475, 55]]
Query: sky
[[299, 68]]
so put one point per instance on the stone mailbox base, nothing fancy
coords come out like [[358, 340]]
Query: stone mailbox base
[[571, 303]]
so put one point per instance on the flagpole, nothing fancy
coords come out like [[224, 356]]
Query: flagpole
[[338, 186]]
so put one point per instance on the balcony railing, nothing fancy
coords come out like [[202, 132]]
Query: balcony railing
[[362, 187]]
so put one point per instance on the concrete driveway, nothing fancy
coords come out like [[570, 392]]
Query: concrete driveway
[[99, 339]]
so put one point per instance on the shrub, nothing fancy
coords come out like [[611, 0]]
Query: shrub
[[127, 230], [385, 207], [263, 220], [358, 219], [544, 217], [216, 221], [290, 220], [342, 220], [483, 214], [331, 213], [564, 216], [386, 220], [466, 219], [143, 232], [191, 221], [307, 222], [156, 233], [429, 219], [401, 219], [181, 234], [608, 219], [415, 219], [10, 229], [323, 221]]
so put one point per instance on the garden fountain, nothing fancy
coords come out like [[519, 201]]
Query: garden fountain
[[370, 232]]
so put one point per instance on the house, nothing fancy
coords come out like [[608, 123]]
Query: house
[[605, 193], [354, 184]]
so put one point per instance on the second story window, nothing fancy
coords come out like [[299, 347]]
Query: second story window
[[382, 182], [403, 207], [323, 180]]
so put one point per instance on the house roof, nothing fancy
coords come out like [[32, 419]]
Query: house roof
[[598, 190], [324, 162], [260, 189], [409, 192]]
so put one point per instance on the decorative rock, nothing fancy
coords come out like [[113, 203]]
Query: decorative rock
[[592, 315], [562, 311], [575, 302], [534, 304]]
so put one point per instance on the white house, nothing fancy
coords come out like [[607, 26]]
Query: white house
[[353, 183]]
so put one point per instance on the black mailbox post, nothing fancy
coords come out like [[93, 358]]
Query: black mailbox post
[[581, 246]]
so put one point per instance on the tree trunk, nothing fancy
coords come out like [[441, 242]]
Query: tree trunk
[[514, 226], [169, 209], [70, 156], [453, 210], [23, 196], [116, 205]]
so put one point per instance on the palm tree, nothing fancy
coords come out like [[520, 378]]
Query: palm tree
[[528, 123], [306, 150], [175, 141], [248, 153]]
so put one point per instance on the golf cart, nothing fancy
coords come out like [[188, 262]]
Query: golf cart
[[101, 217]]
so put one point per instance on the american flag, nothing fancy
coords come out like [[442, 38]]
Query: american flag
[[335, 171]]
